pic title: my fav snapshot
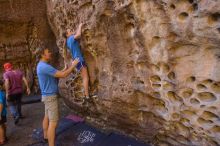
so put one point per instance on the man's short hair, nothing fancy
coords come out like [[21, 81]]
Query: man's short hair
[[40, 51]]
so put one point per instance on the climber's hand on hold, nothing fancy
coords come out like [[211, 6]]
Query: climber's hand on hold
[[75, 62]]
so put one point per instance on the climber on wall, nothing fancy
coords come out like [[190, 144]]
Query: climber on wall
[[74, 47]]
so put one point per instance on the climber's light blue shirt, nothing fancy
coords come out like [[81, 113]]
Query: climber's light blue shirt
[[74, 48], [48, 83]]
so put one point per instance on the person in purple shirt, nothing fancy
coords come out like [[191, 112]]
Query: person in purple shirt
[[14, 89], [74, 48]]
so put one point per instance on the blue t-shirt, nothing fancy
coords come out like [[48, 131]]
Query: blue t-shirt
[[3, 102], [74, 48], [48, 83]]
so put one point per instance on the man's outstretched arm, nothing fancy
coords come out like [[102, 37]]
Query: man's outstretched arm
[[65, 54], [26, 84], [7, 87], [65, 73], [78, 32]]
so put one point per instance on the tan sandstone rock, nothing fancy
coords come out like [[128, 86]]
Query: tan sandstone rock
[[153, 63]]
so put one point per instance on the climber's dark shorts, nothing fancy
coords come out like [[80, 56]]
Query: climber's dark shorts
[[80, 65]]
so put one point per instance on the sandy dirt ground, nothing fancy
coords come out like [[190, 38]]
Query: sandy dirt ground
[[20, 134]]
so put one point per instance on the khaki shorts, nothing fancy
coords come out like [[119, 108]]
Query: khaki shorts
[[51, 107]]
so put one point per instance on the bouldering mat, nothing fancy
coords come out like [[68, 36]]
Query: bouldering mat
[[120, 140], [81, 135]]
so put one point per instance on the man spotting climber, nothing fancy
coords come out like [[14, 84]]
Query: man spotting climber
[[48, 81], [74, 48]]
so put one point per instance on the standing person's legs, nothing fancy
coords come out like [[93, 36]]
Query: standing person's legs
[[18, 101], [5, 130], [2, 134], [51, 133], [85, 76], [12, 108], [45, 126], [2, 130], [12, 103], [81, 66], [51, 119]]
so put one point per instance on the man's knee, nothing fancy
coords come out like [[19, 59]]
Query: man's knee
[[46, 119], [53, 124]]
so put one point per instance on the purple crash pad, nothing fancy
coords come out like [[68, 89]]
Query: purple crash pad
[[64, 124], [74, 118]]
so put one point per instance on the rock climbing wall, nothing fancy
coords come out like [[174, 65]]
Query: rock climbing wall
[[24, 27], [153, 63]]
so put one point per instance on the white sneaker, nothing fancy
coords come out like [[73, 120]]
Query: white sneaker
[[94, 96]]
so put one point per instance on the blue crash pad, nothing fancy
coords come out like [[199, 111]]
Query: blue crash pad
[[37, 134], [63, 125], [38, 144], [80, 135], [72, 131], [120, 140]]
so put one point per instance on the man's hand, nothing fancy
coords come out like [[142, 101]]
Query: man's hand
[[28, 91], [6, 95], [81, 24], [78, 32], [63, 74], [75, 62]]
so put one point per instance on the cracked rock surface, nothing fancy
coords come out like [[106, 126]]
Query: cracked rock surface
[[153, 63], [23, 28]]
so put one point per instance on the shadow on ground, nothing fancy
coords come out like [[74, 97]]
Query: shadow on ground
[[72, 130]]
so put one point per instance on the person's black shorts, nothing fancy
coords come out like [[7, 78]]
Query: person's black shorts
[[80, 65], [3, 120]]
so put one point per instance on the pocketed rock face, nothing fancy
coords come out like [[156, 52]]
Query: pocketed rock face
[[153, 63], [23, 28]]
